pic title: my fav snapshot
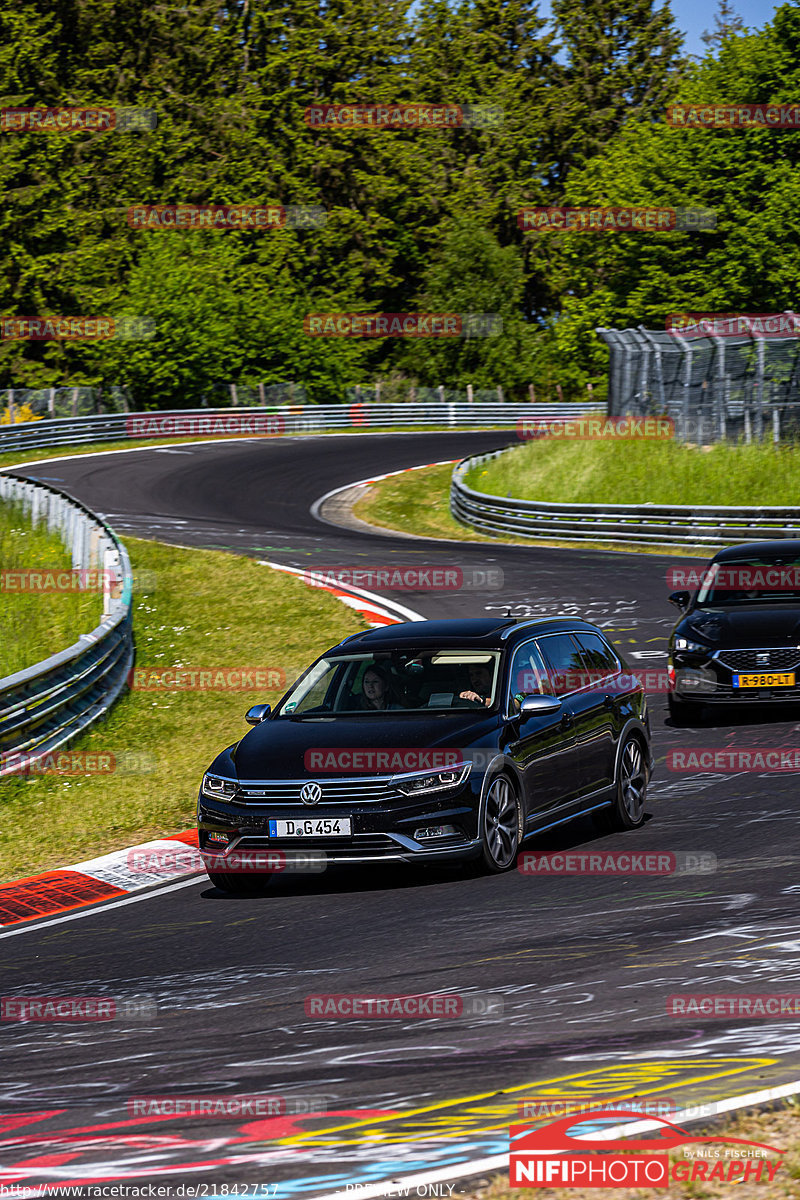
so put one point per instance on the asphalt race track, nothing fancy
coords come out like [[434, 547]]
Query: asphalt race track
[[583, 965]]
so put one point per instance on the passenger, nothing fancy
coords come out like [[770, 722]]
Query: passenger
[[376, 690]]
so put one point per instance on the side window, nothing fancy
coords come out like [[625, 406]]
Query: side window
[[566, 667], [598, 655], [528, 675]]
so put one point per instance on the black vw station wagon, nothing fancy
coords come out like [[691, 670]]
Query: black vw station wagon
[[738, 639], [433, 741]]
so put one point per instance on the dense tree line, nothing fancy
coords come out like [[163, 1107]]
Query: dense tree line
[[417, 219]]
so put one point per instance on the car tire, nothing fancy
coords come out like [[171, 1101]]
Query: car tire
[[236, 885], [683, 712], [630, 790], [501, 825]]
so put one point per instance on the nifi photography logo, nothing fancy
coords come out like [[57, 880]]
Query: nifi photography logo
[[550, 1155]]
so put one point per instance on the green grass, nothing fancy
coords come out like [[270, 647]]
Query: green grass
[[418, 502], [34, 625], [207, 609], [597, 472]]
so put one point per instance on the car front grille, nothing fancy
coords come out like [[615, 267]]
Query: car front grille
[[368, 789], [780, 658], [359, 843]]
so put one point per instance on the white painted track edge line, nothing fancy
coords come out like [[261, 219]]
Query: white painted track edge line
[[91, 910], [499, 1162], [407, 613]]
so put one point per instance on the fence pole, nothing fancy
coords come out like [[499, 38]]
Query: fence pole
[[51, 402], [776, 426], [469, 393]]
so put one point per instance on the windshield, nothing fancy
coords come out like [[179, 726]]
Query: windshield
[[749, 580], [395, 681]]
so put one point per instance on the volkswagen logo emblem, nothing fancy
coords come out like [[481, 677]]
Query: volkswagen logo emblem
[[311, 793]]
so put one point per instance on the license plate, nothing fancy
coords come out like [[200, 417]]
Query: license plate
[[774, 679], [311, 827]]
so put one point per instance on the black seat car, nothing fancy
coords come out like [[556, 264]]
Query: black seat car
[[432, 741], [738, 639]]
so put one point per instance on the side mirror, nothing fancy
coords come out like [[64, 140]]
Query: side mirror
[[537, 706], [257, 714], [680, 600]]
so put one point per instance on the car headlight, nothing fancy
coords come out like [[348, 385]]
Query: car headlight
[[222, 789], [682, 643], [436, 781]]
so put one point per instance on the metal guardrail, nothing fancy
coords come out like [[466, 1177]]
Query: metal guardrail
[[44, 706], [222, 422], [646, 524]]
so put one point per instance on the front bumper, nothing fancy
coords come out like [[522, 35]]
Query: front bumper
[[380, 832], [709, 679]]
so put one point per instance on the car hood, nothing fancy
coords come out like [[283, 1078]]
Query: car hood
[[297, 749], [746, 625]]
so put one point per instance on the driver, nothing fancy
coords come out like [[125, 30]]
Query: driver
[[480, 684]]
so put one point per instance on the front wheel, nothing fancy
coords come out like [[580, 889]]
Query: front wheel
[[502, 825], [627, 810]]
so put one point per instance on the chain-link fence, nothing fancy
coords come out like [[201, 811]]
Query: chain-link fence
[[741, 388], [23, 404]]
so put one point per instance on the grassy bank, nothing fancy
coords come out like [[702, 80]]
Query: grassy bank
[[36, 624], [603, 472], [205, 610]]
